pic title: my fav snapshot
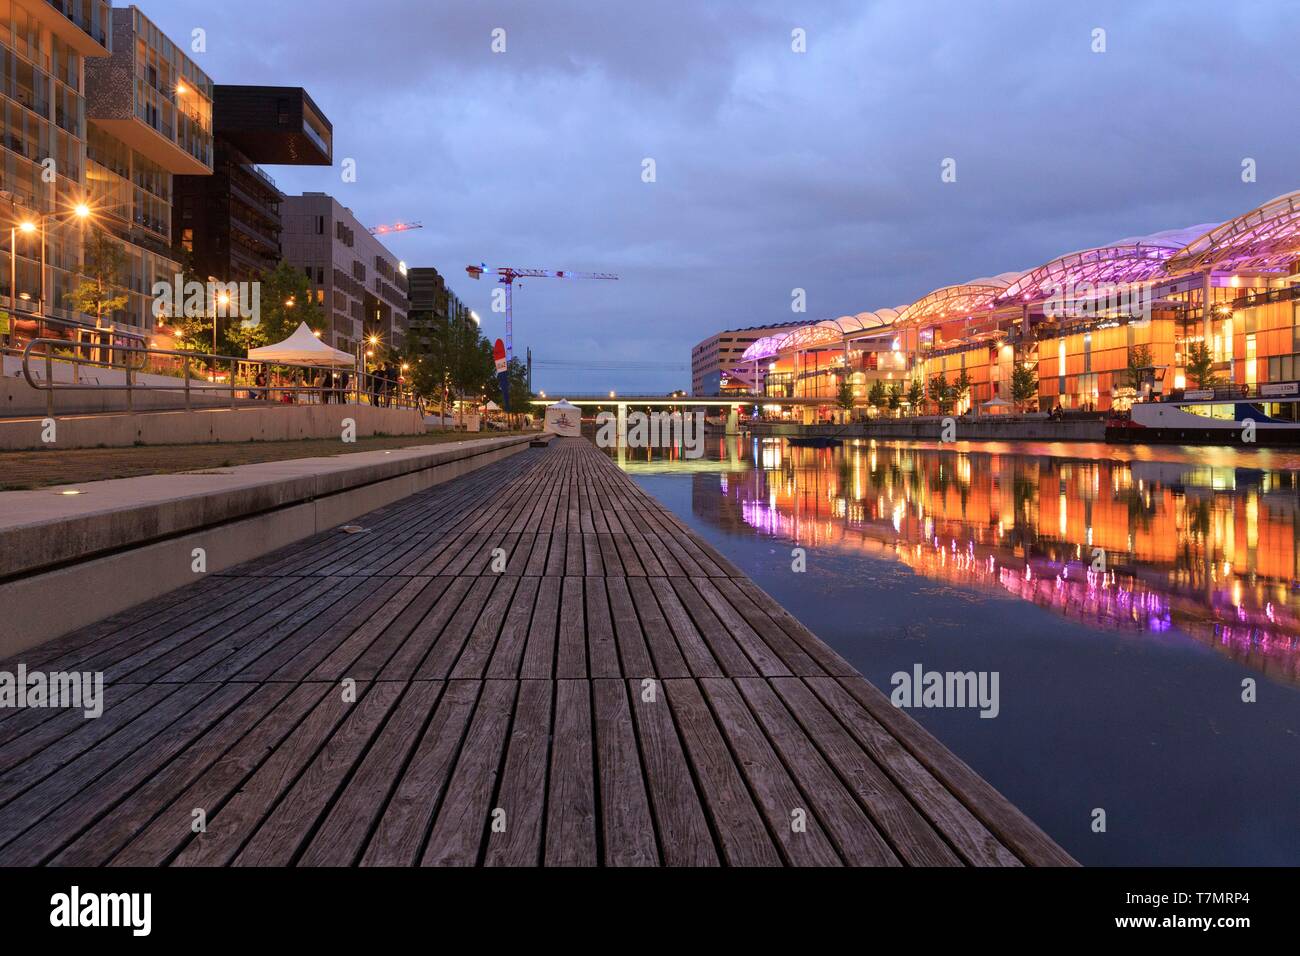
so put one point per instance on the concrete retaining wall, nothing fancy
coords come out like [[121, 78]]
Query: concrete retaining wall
[[265, 422], [927, 429], [67, 562]]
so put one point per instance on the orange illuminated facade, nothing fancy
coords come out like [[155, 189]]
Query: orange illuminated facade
[[1213, 305]]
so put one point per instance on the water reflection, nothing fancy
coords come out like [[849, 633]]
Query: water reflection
[[1202, 541]]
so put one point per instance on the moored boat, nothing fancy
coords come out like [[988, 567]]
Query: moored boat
[[1208, 417]]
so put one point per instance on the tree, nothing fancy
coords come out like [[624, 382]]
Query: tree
[[1139, 365], [941, 393], [877, 397], [1200, 366], [98, 293], [915, 395], [844, 397], [1024, 384], [517, 373], [961, 388], [285, 301], [895, 397]]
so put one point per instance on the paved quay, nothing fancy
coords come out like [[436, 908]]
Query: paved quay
[[534, 664]]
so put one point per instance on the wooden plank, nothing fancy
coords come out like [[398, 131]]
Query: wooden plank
[[543, 631], [283, 833], [522, 794], [620, 692], [739, 827], [173, 826], [777, 796], [98, 844], [230, 826], [627, 825], [571, 799], [399, 838], [906, 829], [855, 837], [343, 834], [1011, 826], [466, 812], [679, 815]]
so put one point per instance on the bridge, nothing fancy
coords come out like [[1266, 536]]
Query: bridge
[[623, 402]]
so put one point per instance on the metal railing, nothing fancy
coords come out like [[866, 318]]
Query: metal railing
[[200, 373]]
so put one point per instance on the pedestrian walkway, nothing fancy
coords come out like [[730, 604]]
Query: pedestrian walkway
[[534, 664]]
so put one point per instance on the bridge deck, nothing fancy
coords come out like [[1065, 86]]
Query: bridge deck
[[620, 694]]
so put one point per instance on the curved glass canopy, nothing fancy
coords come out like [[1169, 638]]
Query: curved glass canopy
[[1266, 238]]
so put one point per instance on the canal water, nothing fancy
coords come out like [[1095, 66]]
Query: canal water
[[1128, 599]]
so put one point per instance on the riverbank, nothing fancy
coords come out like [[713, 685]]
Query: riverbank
[[1019, 428]]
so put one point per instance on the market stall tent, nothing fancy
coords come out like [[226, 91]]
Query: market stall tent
[[302, 348], [563, 419]]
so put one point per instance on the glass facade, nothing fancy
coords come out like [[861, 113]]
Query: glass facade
[[43, 145]]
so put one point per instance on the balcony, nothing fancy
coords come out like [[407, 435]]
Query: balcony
[[87, 39], [278, 125]]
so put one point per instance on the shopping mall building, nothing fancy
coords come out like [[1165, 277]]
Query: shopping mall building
[[1095, 329]]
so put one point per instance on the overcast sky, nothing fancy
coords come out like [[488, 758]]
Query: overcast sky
[[775, 170]]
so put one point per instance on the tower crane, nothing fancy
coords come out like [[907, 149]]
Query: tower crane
[[389, 228], [508, 276]]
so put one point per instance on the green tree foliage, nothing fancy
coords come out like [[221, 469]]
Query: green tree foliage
[[916, 395], [1024, 384], [877, 397], [844, 395], [519, 394], [1139, 365], [1200, 366], [895, 397], [961, 388], [100, 292], [286, 301], [941, 393]]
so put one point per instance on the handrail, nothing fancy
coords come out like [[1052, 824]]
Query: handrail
[[360, 386]]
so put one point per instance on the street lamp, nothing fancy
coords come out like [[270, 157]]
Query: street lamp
[[224, 301], [28, 227]]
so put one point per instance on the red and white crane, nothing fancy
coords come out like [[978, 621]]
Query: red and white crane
[[508, 276], [390, 228]]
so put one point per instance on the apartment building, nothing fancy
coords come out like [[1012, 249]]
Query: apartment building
[[718, 356], [45, 46], [230, 223], [361, 286], [432, 304], [149, 108]]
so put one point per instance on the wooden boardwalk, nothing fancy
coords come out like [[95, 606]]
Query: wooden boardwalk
[[619, 694]]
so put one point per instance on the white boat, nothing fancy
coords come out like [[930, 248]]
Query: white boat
[[1225, 416]]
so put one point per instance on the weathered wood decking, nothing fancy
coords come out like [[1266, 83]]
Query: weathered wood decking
[[619, 695]]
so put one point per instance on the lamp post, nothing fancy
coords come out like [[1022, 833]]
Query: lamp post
[[29, 227]]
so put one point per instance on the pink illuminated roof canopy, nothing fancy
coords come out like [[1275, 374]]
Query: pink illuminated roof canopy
[[1126, 261], [958, 300], [1266, 238]]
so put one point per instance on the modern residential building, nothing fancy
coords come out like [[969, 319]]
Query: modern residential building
[[230, 222], [717, 358], [361, 285], [149, 108], [432, 304], [45, 46], [1097, 329]]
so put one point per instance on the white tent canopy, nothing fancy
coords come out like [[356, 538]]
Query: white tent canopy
[[564, 419], [302, 348]]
